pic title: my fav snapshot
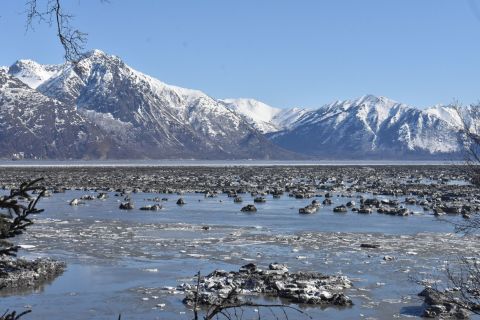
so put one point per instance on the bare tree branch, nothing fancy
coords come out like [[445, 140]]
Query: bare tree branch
[[72, 40], [13, 315]]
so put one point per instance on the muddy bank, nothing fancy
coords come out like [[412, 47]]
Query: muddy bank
[[21, 274]]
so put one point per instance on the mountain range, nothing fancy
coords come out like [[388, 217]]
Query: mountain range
[[100, 108]]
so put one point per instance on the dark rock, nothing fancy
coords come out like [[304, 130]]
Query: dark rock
[[438, 305], [364, 210], [249, 208], [350, 204], [153, 207], [327, 201], [126, 206], [370, 245], [342, 208], [259, 199], [308, 209], [102, 196]]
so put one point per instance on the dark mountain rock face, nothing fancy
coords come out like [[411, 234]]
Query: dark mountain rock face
[[123, 113], [372, 128], [100, 108], [35, 126]]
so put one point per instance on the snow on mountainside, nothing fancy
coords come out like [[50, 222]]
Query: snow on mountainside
[[35, 126], [371, 127], [449, 114], [257, 113], [264, 117], [288, 117], [102, 108], [32, 73], [157, 119]]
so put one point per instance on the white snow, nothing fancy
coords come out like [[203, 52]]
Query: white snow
[[288, 117], [32, 73], [254, 109], [449, 114], [376, 119], [263, 117], [370, 119]]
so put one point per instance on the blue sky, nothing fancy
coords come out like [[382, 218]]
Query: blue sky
[[285, 53]]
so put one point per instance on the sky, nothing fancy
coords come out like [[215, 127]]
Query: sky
[[286, 53]]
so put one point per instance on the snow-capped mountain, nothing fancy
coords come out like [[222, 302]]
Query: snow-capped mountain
[[288, 117], [35, 126], [32, 73], [257, 113], [139, 112], [373, 127], [264, 117], [102, 108]]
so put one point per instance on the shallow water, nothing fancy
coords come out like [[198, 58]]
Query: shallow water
[[119, 261]]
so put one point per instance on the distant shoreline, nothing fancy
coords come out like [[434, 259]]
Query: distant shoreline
[[220, 163]]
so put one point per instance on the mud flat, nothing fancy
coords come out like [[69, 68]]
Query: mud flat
[[141, 262]]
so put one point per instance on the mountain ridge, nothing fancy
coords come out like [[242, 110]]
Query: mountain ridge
[[143, 114], [156, 120]]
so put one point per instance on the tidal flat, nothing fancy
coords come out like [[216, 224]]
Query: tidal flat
[[397, 229]]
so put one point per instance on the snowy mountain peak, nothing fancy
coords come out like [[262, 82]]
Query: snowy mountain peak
[[32, 73], [263, 117], [369, 101], [373, 99], [374, 127], [98, 55], [102, 97], [95, 53], [158, 119], [253, 108]]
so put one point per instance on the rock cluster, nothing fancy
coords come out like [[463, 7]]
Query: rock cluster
[[438, 190], [21, 273], [438, 306], [311, 208], [297, 287]]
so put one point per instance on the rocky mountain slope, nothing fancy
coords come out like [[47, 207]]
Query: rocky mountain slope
[[374, 127], [142, 114], [102, 108], [264, 117], [35, 126]]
